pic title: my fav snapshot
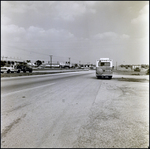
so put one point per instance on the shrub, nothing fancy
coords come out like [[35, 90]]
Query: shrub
[[147, 72]]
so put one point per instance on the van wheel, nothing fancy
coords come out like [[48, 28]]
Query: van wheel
[[8, 71], [110, 77]]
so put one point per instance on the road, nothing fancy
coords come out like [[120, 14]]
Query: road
[[75, 110]]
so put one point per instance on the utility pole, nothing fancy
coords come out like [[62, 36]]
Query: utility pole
[[50, 61], [69, 60]]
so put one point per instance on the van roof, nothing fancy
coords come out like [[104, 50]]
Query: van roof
[[104, 58]]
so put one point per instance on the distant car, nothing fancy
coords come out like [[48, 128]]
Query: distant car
[[9, 70], [3, 69], [43, 66], [40, 67], [24, 68], [137, 69]]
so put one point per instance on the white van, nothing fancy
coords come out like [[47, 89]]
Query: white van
[[104, 68]]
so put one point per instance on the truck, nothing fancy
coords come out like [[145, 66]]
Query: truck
[[24, 68], [104, 68], [65, 65]]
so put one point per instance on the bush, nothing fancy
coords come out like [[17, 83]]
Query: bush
[[147, 72], [3, 63]]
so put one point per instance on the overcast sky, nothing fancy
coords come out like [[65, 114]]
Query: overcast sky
[[84, 30]]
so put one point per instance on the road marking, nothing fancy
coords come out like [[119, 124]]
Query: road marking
[[28, 89]]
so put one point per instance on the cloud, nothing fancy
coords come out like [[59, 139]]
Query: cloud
[[69, 10], [13, 7], [5, 20], [111, 35], [143, 16], [33, 29], [59, 35], [12, 29], [74, 26], [124, 36], [90, 3], [140, 24], [13, 32]]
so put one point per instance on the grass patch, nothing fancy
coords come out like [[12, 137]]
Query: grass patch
[[132, 80]]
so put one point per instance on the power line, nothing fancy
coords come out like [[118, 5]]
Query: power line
[[17, 48], [25, 50], [32, 51]]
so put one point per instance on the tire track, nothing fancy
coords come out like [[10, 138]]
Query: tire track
[[11, 125]]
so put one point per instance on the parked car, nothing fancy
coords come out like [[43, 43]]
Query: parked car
[[9, 70], [137, 69], [24, 68], [3, 69]]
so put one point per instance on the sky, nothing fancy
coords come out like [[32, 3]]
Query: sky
[[83, 31]]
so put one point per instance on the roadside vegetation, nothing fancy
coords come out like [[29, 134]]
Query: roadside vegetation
[[147, 72]]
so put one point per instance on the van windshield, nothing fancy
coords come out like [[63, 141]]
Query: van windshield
[[104, 63]]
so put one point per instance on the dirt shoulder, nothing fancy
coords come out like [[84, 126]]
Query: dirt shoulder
[[130, 72]]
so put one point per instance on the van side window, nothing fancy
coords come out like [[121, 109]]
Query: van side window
[[107, 63], [102, 64]]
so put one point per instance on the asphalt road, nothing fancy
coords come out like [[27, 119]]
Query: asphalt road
[[75, 110]]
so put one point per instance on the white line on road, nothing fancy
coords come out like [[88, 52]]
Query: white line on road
[[27, 89]]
